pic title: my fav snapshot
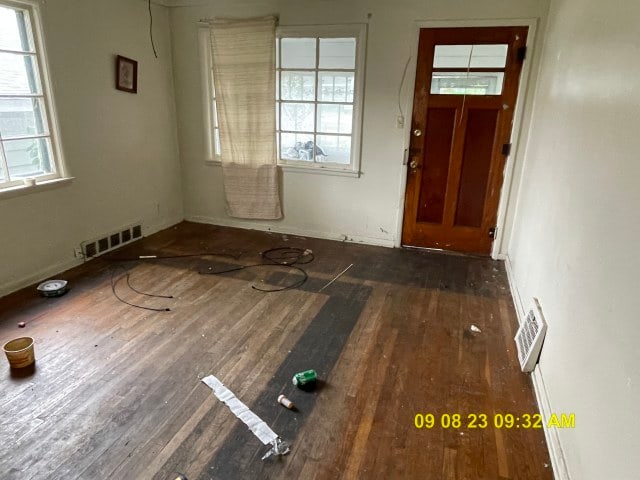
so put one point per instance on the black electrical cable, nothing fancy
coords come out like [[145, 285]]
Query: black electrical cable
[[127, 275], [151, 30], [286, 257]]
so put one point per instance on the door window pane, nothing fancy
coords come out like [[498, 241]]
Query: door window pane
[[296, 146], [297, 117], [28, 158], [338, 53], [334, 149], [298, 53], [21, 117], [335, 86], [298, 86], [19, 74], [470, 56], [334, 118], [463, 83]]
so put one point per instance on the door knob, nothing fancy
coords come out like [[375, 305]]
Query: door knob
[[417, 132], [413, 164]]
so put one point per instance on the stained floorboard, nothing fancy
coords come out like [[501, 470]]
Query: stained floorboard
[[116, 392]]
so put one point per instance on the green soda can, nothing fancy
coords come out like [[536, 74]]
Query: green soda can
[[305, 378]]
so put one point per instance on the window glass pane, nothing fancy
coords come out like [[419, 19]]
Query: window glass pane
[[335, 118], [14, 31], [337, 53], [20, 117], [482, 56], [334, 149], [296, 146], [298, 86], [335, 86], [217, 141], [297, 117], [18, 74], [28, 158], [461, 83], [298, 53], [2, 177]]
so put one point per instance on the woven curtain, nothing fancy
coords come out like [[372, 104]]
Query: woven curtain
[[244, 76]]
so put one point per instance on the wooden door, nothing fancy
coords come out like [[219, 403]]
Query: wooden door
[[465, 94]]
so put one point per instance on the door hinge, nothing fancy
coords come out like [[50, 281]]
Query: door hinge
[[506, 149], [492, 232], [522, 54]]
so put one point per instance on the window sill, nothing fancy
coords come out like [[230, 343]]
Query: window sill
[[38, 187], [302, 169]]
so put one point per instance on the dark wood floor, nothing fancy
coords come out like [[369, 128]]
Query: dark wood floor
[[117, 394]]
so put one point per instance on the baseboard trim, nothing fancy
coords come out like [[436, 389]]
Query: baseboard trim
[[226, 222], [558, 462], [556, 452], [63, 266]]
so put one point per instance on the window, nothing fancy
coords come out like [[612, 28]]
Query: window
[[28, 146], [319, 84], [319, 96], [467, 69]]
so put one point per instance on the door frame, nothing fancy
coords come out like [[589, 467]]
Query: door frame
[[518, 146]]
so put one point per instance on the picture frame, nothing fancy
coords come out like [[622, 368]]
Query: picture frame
[[126, 74]]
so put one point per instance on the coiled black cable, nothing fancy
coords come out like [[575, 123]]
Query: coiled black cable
[[127, 275]]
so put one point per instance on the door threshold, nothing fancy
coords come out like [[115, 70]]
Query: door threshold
[[443, 251]]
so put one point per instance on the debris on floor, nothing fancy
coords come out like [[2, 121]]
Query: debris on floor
[[285, 402], [336, 277], [305, 380], [475, 329], [257, 426], [22, 325]]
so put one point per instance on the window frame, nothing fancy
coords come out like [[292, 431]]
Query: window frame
[[208, 111], [357, 31], [32, 8]]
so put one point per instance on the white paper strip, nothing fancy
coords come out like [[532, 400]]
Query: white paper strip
[[240, 410]]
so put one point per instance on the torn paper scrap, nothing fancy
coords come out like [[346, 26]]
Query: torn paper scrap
[[259, 428]]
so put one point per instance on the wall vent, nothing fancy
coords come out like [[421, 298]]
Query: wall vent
[[93, 248], [530, 336]]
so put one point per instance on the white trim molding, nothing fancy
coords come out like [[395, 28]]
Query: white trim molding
[[286, 230]]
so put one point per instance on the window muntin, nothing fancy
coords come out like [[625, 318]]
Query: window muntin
[[27, 144]]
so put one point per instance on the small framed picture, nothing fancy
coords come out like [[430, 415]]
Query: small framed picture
[[126, 74]]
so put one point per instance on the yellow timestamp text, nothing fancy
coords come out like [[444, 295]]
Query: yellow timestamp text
[[496, 420]]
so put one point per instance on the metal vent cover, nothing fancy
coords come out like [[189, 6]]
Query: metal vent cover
[[530, 336], [96, 247]]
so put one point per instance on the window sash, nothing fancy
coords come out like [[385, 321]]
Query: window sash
[[318, 33], [33, 31]]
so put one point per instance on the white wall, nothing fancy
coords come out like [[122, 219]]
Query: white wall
[[577, 224], [121, 148], [363, 209]]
